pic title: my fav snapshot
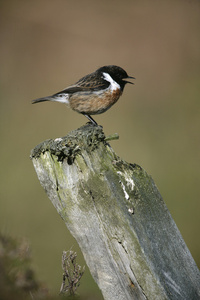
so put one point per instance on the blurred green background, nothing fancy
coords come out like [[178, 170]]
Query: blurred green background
[[46, 45]]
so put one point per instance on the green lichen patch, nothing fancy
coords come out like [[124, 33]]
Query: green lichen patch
[[87, 136]]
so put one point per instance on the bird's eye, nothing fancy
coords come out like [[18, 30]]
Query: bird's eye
[[60, 95]]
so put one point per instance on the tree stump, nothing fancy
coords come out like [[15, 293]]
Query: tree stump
[[114, 210]]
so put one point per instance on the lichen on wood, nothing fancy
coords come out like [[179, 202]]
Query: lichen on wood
[[114, 210]]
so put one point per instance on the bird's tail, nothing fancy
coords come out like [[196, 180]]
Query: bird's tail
[[59, 97]]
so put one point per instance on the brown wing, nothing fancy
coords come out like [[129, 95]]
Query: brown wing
[[90, 82]]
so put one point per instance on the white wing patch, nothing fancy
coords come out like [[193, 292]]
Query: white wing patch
[[113, 84]]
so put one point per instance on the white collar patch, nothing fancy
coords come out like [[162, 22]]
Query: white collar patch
[[113, 84]]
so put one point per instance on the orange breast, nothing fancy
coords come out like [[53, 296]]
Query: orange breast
[[93, 103]]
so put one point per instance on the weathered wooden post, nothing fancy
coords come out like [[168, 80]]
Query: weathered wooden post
[[130, 242]]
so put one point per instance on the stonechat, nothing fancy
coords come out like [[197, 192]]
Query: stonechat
[[94, 93]]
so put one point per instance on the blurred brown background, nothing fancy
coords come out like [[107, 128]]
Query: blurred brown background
[[46, 45]]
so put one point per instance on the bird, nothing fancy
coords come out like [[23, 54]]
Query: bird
[[94, 93]]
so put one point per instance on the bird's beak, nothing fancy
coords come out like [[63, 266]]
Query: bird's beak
[[129, 81]]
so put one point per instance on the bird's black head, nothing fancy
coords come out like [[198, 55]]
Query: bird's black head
[[118, 74]]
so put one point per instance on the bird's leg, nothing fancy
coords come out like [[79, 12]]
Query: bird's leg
[[91, 119]]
